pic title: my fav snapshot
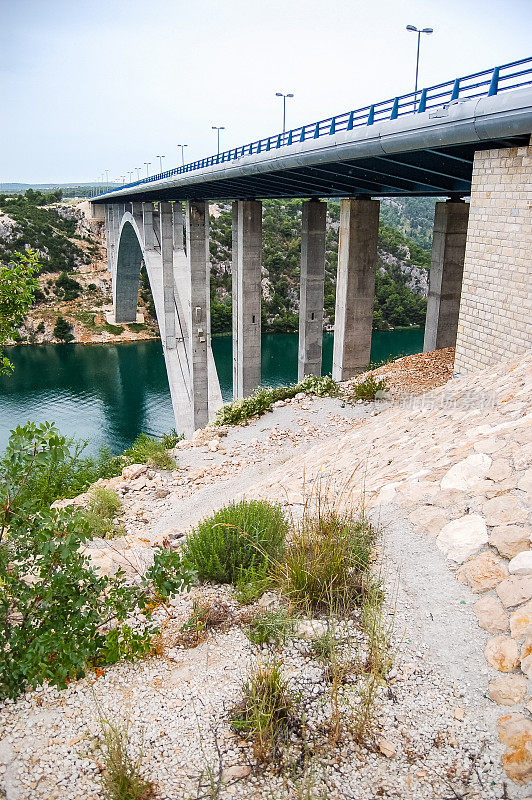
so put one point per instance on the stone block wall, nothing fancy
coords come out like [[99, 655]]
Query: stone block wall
[[495, 319]]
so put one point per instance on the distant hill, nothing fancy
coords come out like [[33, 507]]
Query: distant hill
[[68, 189]]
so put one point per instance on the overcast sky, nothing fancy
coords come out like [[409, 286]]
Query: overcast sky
[[109, 84]]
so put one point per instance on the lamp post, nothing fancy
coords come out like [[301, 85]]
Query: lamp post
[[138, 169], [218, 129], [147, 164], [284, 96], [419, 31], [130, 175], [107, 178], [160, 161], [182, 146]]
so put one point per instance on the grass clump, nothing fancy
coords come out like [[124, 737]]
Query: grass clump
[[327, 562], [370, 389], [121, 777], [237, 542], [271, 627], [262, 400], [115, 330], [147, 450], [266, 710], [103, 506]]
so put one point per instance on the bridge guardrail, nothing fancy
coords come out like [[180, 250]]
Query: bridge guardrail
[[487, 83]]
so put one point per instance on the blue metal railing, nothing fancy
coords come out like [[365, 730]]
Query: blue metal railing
[[487, 83]]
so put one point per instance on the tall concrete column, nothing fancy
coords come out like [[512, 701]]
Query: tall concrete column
[[246, 282], [355, 286], [313, 222], [446, 272], [167, 257], [147, 224], [177, 222], [197, 227]]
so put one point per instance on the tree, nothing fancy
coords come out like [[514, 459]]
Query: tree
[[17, 290], [62, 329]]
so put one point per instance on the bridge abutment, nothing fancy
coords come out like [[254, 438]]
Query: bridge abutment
[[355, 286], [313, 230], [446, 271], [197, 248], [246, 289]]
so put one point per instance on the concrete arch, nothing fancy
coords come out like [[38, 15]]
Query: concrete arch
[[136, 234]]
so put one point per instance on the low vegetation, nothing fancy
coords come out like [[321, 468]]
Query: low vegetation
[[103, 506], [262, 400], [147, 450], [271, 627], [238, 543], [371, 388], [17, 290], [122, 777]]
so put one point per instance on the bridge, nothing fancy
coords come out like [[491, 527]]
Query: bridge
[[428, 143]]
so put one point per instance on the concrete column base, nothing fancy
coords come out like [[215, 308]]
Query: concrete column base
[[313, 225], [355, 286], [197, 241], [446, 272]]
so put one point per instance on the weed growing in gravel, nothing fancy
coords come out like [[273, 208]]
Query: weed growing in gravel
[[146, 450], [237, 541], [104, 504], [121, 777], [205, 615], [262, 400], [369, 389], [266, 711], [271, 627], [326, 564]]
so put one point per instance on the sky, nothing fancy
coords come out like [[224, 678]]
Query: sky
[[110, 84]]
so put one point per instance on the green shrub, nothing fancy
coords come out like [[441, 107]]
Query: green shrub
[[271, 627], [57, 615], [262, 400], [327, 562], [67, 288], [63, 329], [104, 504], [136, 327], [147, 450], [265, 711], [170, 439], [115, 330], [369, 388], [40, 327], [236, 542]]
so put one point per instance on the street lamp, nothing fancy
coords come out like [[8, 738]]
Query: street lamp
[[107, 178], [182, 146], [284, 96], [138, 169], [218, 129], [130, 174], [419, 31], [160, 161], [147, 164]]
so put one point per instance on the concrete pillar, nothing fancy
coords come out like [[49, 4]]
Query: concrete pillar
[[196, 214], [166, 239], [313, 222], [355, 286], [246, 281], [446, 271], [147, 224], [177, 222]]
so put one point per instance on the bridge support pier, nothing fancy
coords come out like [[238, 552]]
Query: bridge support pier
[[355, 286], [246, 283], [197, 248], [313, 224], [446, 272]]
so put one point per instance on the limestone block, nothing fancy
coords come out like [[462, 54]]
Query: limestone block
[[521, 564], [502, 653], [520, 619], [491, 616], [483, 572], [504, 510], [463, 537], [508, 690], [510, 539], [464, 475], [515, 590]]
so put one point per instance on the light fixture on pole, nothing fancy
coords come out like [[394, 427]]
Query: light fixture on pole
[[160, 161], [107, 178], [218, 129], [419, 31], [130, 174], [147, 164], [182, 146], [138, 172], [284, 96]]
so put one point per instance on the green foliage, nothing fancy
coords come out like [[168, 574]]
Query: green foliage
[[266, 710], [170, 439], [237, 541], [271, 627], [17, 290], [122, 778], [115, 330], [104, 505], [66, 288], [63, 329], [147, 450], [369, 388], [136, 327], [262, 400], [326, 564]]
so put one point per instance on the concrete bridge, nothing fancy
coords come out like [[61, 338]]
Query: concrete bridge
[[469, 137]]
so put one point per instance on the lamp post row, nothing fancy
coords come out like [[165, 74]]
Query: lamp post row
[[284, 95]]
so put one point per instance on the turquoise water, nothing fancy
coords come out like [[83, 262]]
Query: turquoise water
[[111, 393]]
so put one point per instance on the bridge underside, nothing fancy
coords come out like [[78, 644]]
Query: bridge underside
[[432, 172]]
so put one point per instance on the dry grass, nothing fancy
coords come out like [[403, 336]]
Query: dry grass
[[121, 776]]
